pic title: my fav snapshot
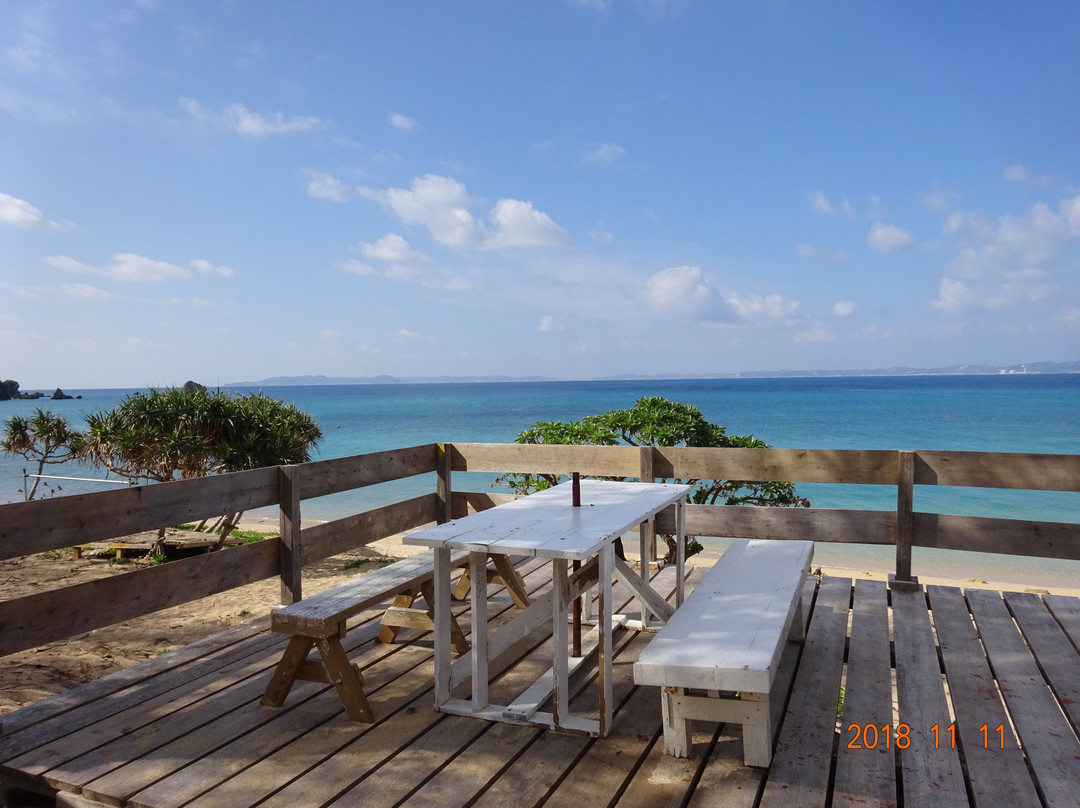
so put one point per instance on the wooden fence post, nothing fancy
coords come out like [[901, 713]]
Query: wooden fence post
[[444, 492], [905, 520], [648, 530], [289, 557]]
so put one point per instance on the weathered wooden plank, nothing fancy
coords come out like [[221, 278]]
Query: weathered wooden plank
[[1052, 749], [799, 774], [1067, 612], [1055, 654], [341, 535], [50, 524], [600, 461], [169, 740], [812, 524], [65, 612], [400, 673], [1038, 472], [997, 776], [795, 465], [322, 477], [72, 710], [989, 535], [866, 758], [930, 776], [317, 766]]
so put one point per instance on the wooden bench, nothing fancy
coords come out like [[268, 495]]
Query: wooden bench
[[320, 621], [716, 657]]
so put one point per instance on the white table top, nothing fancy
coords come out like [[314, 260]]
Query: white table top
[[546, 523]]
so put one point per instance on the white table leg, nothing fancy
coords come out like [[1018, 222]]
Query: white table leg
[[478, 572], [643, 557], [607, 568], [680, 551], [442, 626], [560, 607]]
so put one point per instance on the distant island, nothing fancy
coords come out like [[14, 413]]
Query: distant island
[[952, 370], [9, 391]]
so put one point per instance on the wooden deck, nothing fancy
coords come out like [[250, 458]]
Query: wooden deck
[[915, 671]]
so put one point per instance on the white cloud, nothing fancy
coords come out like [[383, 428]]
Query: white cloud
[[1019, 174], [131, 268], [549, 324], [356, 267], [518, 224], [324, 186], [20, 213], [391, 248], [601, 235], [407, 336], [888, 238], [605, 155], [817, 332], [1010, 261], [763, 309], [441, 204], [204, 267], [246, 123], [680, 290], [938, 200], [84, 291], [402, 263], [821, 205], [844, 308], [402, 122]]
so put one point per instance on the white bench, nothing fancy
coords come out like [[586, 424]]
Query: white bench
[[725, 642], [320, 621]]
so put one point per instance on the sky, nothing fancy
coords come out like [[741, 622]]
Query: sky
[[227, 191]]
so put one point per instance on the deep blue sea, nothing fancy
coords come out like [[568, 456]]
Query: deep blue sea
[[1017, 413]]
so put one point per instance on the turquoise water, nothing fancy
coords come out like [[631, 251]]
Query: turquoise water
[[1036, 413]]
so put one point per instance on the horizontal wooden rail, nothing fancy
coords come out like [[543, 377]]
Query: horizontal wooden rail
[[986, 535], [322, 477], [51, 524], [52, 615], [1037, 472], [792, 465], [597, 461], [332, 538], [814, 524]]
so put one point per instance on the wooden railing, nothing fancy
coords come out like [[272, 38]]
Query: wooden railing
[[38, 526]]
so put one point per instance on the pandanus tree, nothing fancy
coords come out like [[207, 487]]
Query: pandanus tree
[[181, 433], [656, 421], [45, 438]]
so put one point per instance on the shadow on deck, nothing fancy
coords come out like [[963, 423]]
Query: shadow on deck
[[949, 698]]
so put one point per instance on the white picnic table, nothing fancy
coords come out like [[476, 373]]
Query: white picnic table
[[547, 525]]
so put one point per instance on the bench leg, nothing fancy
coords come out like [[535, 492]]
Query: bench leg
[[389, 630], [676, 730], [346, 678], [757, 730], [508, 576], [287, 670]]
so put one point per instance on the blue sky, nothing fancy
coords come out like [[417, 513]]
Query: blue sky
[[226, 191]]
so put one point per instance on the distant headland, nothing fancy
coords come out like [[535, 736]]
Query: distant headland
[[952, 370]]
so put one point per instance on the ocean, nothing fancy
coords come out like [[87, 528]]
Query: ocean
[[1004, 413]]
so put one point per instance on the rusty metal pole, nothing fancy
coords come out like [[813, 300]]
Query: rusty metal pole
[[576, 502]]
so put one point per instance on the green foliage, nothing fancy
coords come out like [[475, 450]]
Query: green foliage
[[181, 433], [656, 421], [44, 438]]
